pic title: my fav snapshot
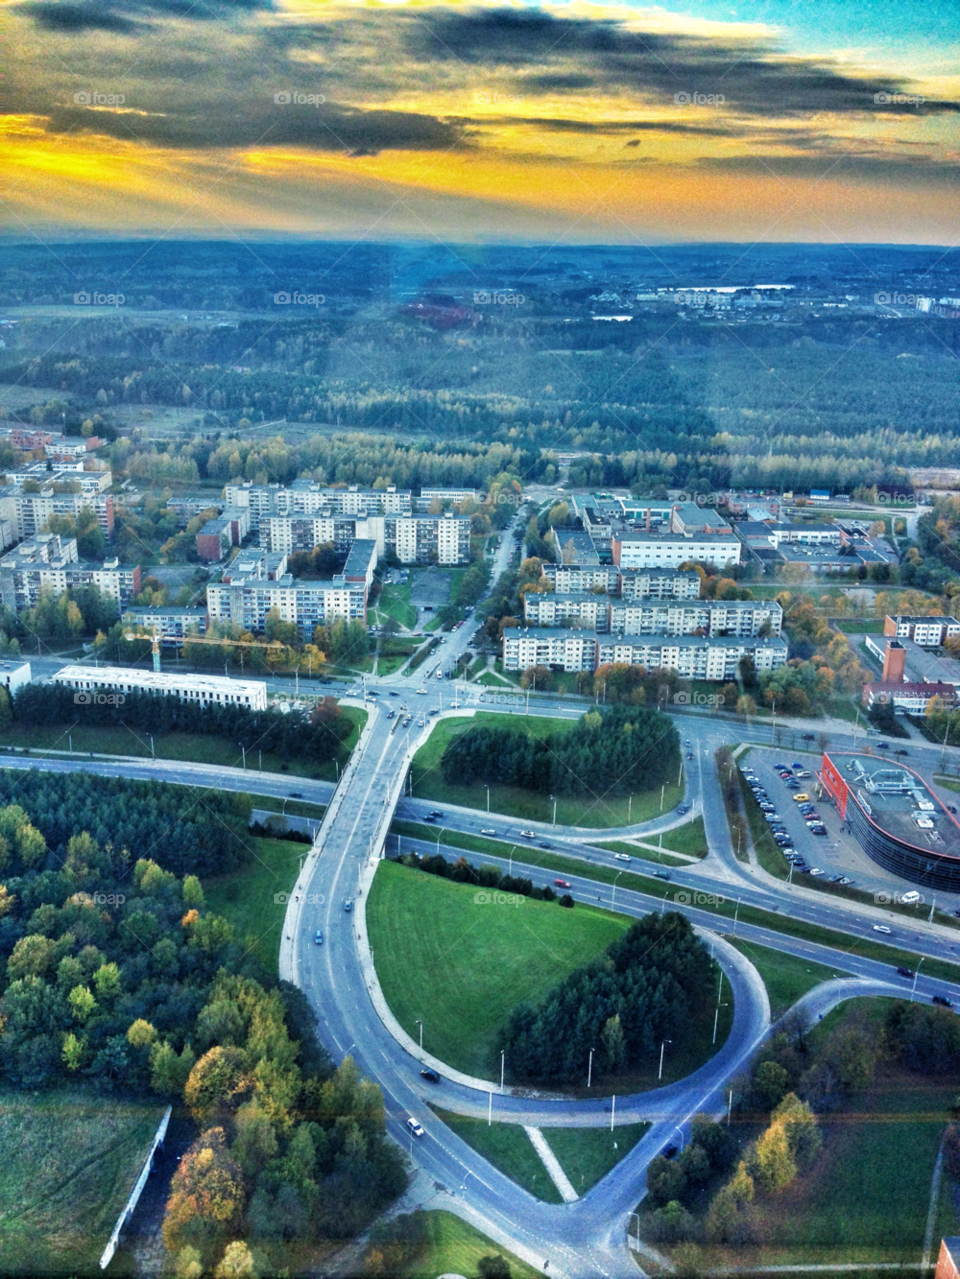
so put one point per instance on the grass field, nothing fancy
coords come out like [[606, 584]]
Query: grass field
[[394, 602], [192, 747], [589, 811], [72, 1158], [246, 896], [868, 1196], [786, 977], [455, 1248], [587, 1154], [508, 1148], [461, 967]]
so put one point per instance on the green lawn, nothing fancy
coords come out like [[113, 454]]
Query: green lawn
[[587, 1154], [461, 967], [246, 896], [508, 1148], [593, 812], [191, 747], [394, 602], [690, 839], [786, 977], [456, 1248], [72, 1158]]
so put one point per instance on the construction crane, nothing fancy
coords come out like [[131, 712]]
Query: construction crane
[[155, 643]]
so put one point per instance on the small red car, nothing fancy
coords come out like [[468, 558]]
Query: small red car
[[562, 883]]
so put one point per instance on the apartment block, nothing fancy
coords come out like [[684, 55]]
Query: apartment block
[[218, 535], [248, 594], [664, 584], [534, 646], [569, 579], [29, 512], [587, 610], [169, 624], [429, 539], [713, 657], [304, 497], [708, 617], [50, 562]]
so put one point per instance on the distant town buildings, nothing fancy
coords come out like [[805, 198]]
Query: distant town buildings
[[203, 690], [258, 584], [49, 562]]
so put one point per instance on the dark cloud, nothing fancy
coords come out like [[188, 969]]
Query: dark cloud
[[553, 124], [870, 169], [91, 15], [609, 56], [235, 123]]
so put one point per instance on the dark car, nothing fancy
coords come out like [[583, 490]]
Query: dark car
[[883, 746], [544, 844], [807, 737], [430, 1075], [295, 794], [669, 1151], [906, 972], [943, 1001], [661, 874], [901, 751]]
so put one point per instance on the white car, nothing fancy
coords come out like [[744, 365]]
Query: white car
[[421, 690], [623, 857], [909, 899], [882, 928], [487, 830], [414, 1127]]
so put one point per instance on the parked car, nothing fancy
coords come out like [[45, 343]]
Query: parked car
[[801, 797]]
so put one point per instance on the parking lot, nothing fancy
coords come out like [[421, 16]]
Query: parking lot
[[837, 853]]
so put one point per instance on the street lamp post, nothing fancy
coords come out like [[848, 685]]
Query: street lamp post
[[590, 1068], [420, 1024], [613, 893], [553, 797], [662, 1047], [488, 797], [503, 1062], [633, 1214], [913, 989], [735, 915]]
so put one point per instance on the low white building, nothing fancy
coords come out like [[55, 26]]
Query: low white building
[[13, 675], [206, 690]]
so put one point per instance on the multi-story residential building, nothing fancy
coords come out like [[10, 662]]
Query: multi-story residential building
[[170, 625], [707, 617], [188, 508], [926, 632], [670, 550], [289, 533], [429, 539], [575, 549], [528, 646], [262, 585], [362, 560], [67, 475], [662, 584], [206, 690], [452, 496], [573, 580], [49, 562], [706, 657], [702, 657], [588, 610], [304, 497], [30, 512], [218, 535]]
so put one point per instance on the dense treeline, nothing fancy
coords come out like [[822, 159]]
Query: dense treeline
[[462, 872], [650, 987], [290, 736], [128, 817], [612, 752], [120, 976]]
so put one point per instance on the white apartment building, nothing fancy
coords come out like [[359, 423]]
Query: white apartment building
[[706, 657], [586, 610], [711, 617], [533, 646]]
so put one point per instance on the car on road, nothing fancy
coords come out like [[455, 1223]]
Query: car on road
[[318, 938], [390, 714], [544, 844], [348, 905], [421, 691], [435, 812], [420, 723], [295, 794], [801, 797], [806, 737], [487, 830], [562, 883], [529, 834], [623, 857], [431, 1076], [901, 751], [906, 972], [660, 874], [689, 754], [394, 694], [414, 1127], [883, 746], [882, 928], [687, 742], [683, 809], [943, 1001], [429, 818], [818, 830]]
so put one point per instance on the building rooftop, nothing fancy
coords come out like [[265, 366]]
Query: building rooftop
[[159, 681], [899, 802], [927, 667]]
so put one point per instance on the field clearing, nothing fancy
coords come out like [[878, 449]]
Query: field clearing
[[508, 1148], [586, 1155], [72, 1158], [455, 1248], [593, 812], [246, 897]]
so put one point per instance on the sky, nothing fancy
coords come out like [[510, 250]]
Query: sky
[[788, 120]]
